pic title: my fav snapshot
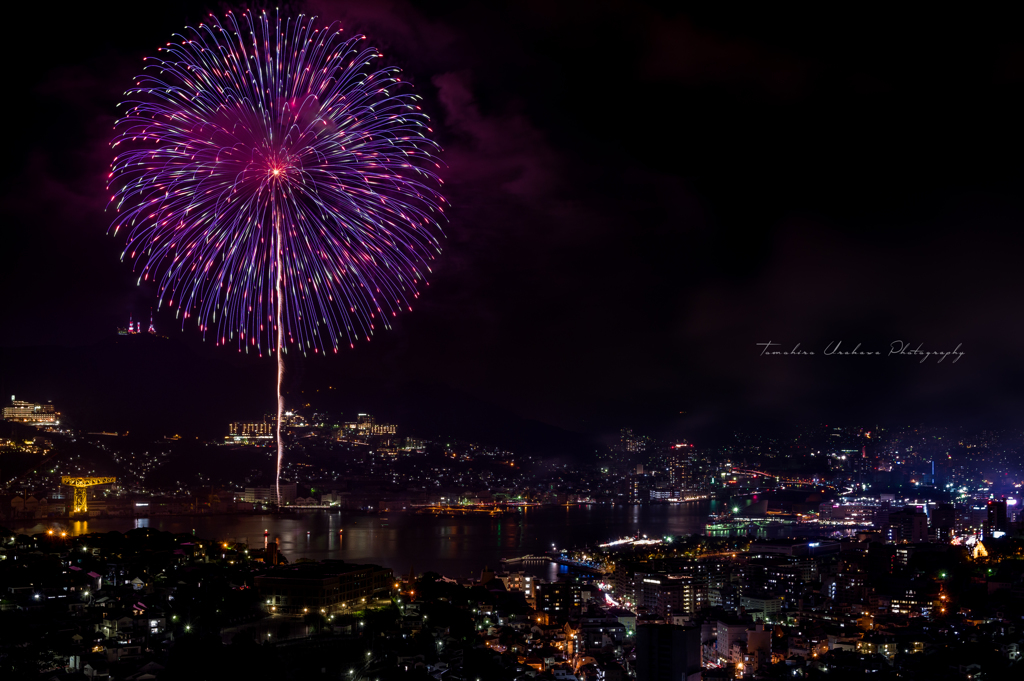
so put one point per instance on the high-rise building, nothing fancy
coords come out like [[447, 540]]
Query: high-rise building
[[863, 466], [667, 652], [530, 586], [908, 525], [680, 595], [685, 469], [639, 491], [997, 521], [559, 597], [30, 412], [942, 522]]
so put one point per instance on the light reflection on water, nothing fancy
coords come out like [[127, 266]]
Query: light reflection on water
[[450, 545]]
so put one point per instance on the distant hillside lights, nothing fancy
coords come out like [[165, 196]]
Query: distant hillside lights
[[30, 412]]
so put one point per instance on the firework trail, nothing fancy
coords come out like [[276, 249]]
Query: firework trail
[[276, 186]]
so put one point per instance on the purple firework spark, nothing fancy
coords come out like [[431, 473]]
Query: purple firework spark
[[276, 185]]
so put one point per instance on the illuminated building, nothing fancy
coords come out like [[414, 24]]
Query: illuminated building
[[942, 522], [729, 629], [595, 633], [759, 649], [684, 470], [782, 576], [996, 517], [762, 607], [269, 495], [908, 525], [30, 412], [514, 581], [639, 487], [559, 597], [265, 431], [675, 594], [290, 419], [631, 443], [878, 644], [249, 432], [364, 427], [862, 466]]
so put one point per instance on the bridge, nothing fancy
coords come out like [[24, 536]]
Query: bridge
[[781, 479], [527, 559], [81, 484]]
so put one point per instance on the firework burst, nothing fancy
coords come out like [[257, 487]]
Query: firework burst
[[276, 185]]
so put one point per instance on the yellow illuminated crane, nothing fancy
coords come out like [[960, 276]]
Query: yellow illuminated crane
[[80, 484]]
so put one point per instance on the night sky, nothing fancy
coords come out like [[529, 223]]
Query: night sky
[[639, 197]]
